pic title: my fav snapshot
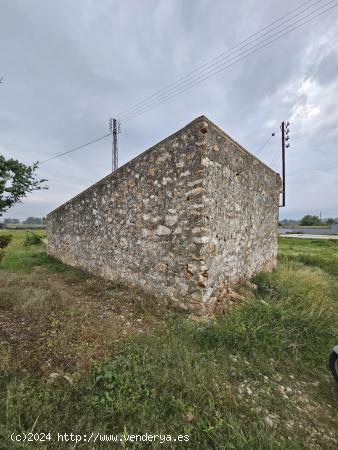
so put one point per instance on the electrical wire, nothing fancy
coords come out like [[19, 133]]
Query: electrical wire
[[265, 143], [276, 161], [221, 69], [238, 57], [273, 157], [181, 86], [212, 62], [74, 149]]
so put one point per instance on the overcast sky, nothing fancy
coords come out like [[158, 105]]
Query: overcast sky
[[68, 66]]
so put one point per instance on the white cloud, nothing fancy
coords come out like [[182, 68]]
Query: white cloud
[[69, 66]]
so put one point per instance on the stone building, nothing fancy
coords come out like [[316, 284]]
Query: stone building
[[193, 213]]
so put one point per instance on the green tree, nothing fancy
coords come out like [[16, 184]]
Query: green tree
[[309, 220], [16, 181], [9, 220], [330, 221], [33, 220]]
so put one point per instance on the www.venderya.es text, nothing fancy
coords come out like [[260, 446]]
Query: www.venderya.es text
[[97, 437]]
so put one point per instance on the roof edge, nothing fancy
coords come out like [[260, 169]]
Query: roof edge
[[221, 131], [102, 180], [201, 118]]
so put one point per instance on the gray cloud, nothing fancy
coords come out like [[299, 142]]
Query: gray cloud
[[68, 66]]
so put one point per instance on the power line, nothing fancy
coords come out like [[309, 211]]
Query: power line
[[73, 149], [274, 156], [274, 152], [265, 143], [238, 57], [212, 62], [181, 86], [220, 56], [192, 84], [277, 161]]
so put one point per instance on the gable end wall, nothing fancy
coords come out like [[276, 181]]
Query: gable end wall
[[135, 224], [241, 212]]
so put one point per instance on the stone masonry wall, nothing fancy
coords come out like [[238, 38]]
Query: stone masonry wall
[[241, 212], [192, 212], [135, 225]]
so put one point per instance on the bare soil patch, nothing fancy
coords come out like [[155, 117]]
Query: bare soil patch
[[52, 325]]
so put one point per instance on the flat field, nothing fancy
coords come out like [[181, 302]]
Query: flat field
[[81, 355]]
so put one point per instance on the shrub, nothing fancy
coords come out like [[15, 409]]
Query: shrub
[[5, 239], [32, 239], [309, 220]]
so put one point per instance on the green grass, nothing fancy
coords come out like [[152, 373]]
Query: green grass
[[21, 258], [309, 226], [311, 252], [220, 382], [23, 226]]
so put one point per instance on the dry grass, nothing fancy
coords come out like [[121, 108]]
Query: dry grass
[[53, 326], [254, 379]]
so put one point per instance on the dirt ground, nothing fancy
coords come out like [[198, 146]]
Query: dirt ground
[[52, 324]]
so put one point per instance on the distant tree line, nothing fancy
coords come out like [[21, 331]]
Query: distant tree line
[[8, 220], [29, 221], [308, 220]]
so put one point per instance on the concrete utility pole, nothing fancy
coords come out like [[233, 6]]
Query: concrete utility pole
[[115, 129], [285, 144]]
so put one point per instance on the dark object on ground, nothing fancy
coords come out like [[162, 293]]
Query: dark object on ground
[[5, 239], [333, 362], [32, 239]]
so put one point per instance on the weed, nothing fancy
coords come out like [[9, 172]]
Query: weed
[[5, 360], [32, 239], [256, 378], [5, 239]]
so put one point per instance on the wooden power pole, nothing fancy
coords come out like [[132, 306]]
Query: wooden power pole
[[285, 144]]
